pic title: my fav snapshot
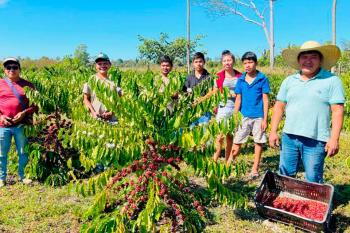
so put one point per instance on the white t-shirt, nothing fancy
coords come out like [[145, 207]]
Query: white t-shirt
[[98, 107]]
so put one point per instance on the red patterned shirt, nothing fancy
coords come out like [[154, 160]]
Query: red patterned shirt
[[9, 103]]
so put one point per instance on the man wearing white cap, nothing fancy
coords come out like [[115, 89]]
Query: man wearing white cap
[[308, 98], [96, 108], [14, 107]]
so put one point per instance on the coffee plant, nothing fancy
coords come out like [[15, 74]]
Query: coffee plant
[[148, 195], [133, 168]]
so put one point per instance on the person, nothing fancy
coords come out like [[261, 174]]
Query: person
[[227, 77], [198, 75], [96, 108], [252, 101], [13, 111], [307, 98], [162, 81], [166, 65]]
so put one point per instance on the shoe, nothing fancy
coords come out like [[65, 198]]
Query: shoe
[[2, 183], [25, 181]]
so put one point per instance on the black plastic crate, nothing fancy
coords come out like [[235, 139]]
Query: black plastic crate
[[274, 185]]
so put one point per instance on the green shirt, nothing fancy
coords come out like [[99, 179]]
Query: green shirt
[[308, 104]]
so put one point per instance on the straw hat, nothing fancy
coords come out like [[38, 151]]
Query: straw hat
[[331, 54]]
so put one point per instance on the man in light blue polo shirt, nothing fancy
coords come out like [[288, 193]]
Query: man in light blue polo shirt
[[307, 98]]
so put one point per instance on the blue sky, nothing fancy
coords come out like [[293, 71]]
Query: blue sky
[[55, 28]]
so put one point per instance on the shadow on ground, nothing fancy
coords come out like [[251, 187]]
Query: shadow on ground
[[340, 223], [341, 194]]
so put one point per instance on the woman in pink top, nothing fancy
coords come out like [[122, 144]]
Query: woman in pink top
[[227, 77], [13, 109]]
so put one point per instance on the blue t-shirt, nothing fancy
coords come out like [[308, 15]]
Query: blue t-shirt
[[308, 104], [252, 95]]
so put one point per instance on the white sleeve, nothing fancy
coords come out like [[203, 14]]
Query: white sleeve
[[86, 89]]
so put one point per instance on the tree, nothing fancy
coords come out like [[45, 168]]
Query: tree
[[152, 50], [81, 54], [240, 7], [344, 60]]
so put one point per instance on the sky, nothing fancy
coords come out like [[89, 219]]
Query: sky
[[54, 28]]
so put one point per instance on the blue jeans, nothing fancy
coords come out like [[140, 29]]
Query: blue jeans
[[295, 148], [5, 142]]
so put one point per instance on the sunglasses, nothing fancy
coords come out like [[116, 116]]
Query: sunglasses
[[12, 67]]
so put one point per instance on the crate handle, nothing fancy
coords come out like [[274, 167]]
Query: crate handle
[[262, 185]]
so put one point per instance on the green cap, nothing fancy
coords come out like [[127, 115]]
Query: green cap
[[102, 56]]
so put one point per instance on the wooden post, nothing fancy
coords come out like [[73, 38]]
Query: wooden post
[[188, 37], [272, 39], [334, 8]]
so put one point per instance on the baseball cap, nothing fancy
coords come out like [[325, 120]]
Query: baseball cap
[[102, 56], [11, 60]]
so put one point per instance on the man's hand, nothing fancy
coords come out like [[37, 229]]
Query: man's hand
[[264, 125], [107, 115], [120, 91], [6, 121], [232, 94], [94, 114], [332, 147], [274, 140], [19, 117], [175, 96]]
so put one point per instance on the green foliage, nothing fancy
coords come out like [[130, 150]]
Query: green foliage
[[344, 61], [152, 49], [346, 79], [264, 60], [148, 193], [347, 161], [75, 152], [81, 54], [61, 153]]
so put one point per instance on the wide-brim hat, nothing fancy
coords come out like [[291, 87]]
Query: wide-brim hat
[[330, 53], [11, 60]]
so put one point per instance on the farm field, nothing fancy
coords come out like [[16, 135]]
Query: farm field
[[39, 208], [148, 173]]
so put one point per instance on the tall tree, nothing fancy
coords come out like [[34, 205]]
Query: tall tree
[[81, 54], [152, 49], [247, 9]]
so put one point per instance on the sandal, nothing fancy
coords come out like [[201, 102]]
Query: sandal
[[253, 176]]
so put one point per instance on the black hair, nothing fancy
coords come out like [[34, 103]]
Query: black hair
[[167, 59], [309, 52], [249, 56], [227, 53], [198, 55]]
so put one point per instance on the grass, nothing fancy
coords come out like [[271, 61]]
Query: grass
[[336, 173], [39, 208]]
